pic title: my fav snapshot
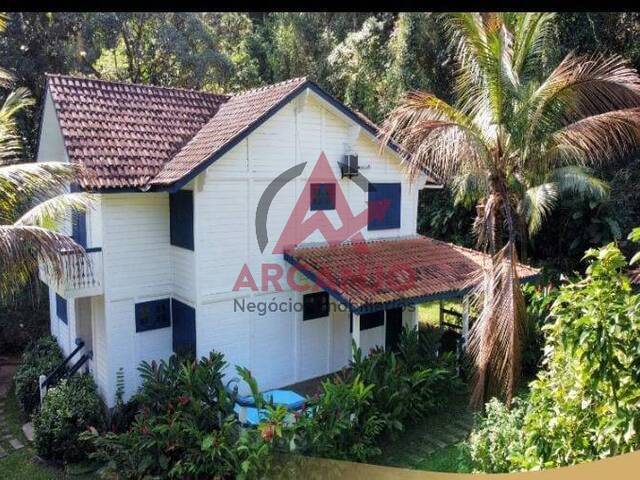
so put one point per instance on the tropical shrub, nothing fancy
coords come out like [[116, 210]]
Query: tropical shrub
[[409, 384], [341, 422], [376, 397], [497, 439], [40, 357], [69, 408], [585, 404], [185, 427], [539, 302]]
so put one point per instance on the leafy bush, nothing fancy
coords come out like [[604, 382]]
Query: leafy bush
[[408, 385], [185, 427], [585, 403], [497, 439], [40, 357], [376, 397], [68, 409], [341, 422], [539, 302]]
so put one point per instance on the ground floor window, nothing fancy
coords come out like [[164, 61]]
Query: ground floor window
[[315, 305], [152, 315], [61, 308]]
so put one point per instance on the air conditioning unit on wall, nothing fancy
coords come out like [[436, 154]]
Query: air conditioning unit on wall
[[349, 165]]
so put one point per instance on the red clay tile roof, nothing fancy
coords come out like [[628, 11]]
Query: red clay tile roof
[[232, 120], [124, 133], [367, 275]]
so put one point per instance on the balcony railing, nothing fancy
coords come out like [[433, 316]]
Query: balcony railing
[[81, 279]]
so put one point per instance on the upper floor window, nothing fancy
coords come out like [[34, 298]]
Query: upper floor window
[[323, 196], [79, 228], [384, 206], [181, 219], [153, 314], [61, 308]]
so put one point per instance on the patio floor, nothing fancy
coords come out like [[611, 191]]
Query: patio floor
[[309, 388]]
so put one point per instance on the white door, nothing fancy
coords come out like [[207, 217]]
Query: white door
[[341, 341]]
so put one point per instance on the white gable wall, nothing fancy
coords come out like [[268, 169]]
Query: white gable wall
[[279, 348], [137, 268]]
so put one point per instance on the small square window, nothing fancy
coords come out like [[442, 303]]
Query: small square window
[[152, 315], [323, 196], [315, 305]]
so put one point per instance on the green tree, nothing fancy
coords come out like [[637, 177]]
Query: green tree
[[168, 49], [510, 123]]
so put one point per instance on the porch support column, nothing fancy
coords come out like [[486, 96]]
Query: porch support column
[[355, 330], [465, 320]]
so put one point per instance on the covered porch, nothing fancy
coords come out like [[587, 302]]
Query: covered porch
[[380, 282]]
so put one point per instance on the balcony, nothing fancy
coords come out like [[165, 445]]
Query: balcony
[[80, 279]]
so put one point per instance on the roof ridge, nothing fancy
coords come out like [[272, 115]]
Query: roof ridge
[[134, 84], [270, 86]]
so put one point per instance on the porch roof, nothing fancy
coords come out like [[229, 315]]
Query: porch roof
[[378, 274]]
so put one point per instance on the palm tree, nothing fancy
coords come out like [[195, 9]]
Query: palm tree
[[518, 140], [33, 204]]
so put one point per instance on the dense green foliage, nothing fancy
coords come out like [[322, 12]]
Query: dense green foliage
[[39, 358], [497, 437], [585, 401], [371, 402], [185, 427], [24, 318], [69, 408]]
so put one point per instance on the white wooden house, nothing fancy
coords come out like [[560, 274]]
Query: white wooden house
[[193, 194]]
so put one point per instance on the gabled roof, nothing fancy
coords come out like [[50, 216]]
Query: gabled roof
[[125, 133], [144, 137], [235, 119], [378, 274]]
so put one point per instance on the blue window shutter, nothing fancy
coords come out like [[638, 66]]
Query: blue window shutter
[[79, 228], [184, 328], [153, 315], [61, 308], [181, 219], [323, 196], [384, 206]]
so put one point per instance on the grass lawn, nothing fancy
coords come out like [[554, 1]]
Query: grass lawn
[[409, 449], [430, 312], [21, 464]]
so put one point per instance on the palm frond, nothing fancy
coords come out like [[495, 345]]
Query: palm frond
[[34, 183], [440, 137], [582, 86], [597, 138], [537, 202], [531, 32], [495, 339], [51, 213], [469, 188], [577, 180], [25, 248], [10, 139]]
